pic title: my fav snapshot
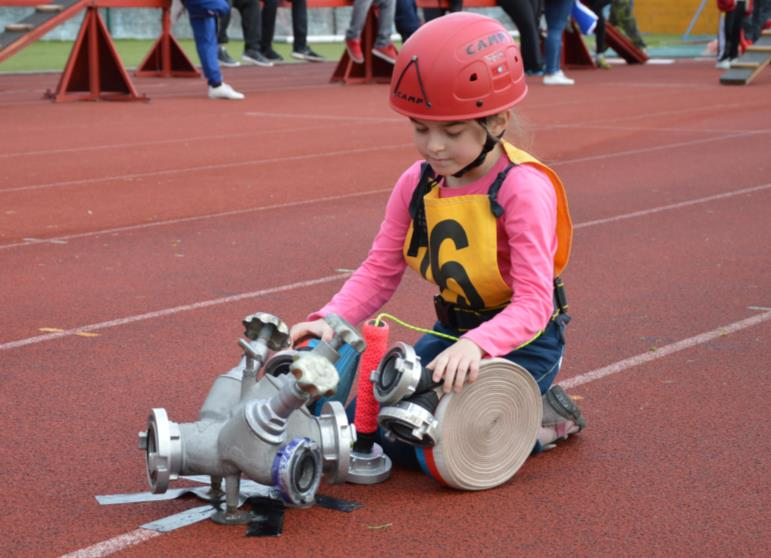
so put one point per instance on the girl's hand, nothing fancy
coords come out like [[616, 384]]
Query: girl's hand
[[317, 328], [456, 364]]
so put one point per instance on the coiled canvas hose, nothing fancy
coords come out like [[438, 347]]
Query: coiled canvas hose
[[487, 431]]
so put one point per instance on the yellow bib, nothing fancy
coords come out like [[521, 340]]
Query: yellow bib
[[461, 256]]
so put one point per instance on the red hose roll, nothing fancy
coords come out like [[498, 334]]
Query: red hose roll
[[367, 407]]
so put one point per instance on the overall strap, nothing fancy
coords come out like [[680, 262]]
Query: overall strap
[[418, 210], [492, 193]]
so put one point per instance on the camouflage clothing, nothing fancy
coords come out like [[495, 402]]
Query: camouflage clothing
[[621, 16]]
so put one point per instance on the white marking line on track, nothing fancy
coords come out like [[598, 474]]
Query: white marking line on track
[[113, 545], [662, 147], [169, 311], [120, 542], [64, 239], [290, 158], [254, 162], [670, 207], [353, 122], [664, 351]]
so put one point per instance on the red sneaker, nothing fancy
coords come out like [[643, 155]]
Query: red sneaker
[[387, 53], [353, 46]]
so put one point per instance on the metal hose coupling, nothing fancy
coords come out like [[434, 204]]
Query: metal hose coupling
[[296, 471], [409, 396], [259, 428]]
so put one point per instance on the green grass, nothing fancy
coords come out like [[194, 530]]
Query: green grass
[[52, 55]]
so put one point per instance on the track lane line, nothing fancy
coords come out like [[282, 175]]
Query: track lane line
[[220, 166], [115, 544], [170, 311], [235, 212], [291, 158], [120, 542], [661, 352], [355, 120], [670, 207]]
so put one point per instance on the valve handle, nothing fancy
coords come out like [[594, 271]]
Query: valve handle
[[267, 327], [314, 374], [345, 333]]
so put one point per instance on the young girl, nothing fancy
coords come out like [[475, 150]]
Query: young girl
[[485, 221]]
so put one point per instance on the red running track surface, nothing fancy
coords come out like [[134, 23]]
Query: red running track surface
[[119, 219]]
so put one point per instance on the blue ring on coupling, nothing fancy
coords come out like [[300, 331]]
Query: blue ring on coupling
[[296, 471]]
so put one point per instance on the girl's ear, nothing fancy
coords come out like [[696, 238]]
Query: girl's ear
[[498, 123]]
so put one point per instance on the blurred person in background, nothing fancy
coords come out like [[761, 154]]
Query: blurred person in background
[[251, 27], [300, 48], [203, 19]]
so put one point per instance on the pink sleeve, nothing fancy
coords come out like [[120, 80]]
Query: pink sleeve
[[375, 280], [530, 223]]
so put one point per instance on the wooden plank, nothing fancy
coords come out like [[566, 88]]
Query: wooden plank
[[741, 76], [750, 60]]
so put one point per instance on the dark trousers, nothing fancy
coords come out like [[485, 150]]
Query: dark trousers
[[732, 27], [406, 18], [250, 23], [522, 13], [599, 32], [299, 24], [433, 13]]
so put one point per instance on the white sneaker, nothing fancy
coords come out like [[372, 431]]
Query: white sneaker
[[557, 78], [723, 64], [224, 91]]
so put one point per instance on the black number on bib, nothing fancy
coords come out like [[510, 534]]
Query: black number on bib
[[453, 231]]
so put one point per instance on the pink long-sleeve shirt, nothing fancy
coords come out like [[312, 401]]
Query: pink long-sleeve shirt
[[527, 243]]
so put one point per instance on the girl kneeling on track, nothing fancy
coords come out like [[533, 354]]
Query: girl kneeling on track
[[483, 220]]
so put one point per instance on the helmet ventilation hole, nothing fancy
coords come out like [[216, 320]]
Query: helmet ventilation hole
[[473, 77], [480, 103]]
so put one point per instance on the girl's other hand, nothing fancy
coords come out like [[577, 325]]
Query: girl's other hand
[[456, 364], [316, 328]]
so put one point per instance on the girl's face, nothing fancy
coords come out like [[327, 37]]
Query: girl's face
[[450, 146]]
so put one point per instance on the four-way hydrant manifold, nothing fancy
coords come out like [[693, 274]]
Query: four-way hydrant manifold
[[261, 429]]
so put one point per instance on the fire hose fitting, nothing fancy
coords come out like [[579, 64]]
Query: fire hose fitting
[[262, 431], [409, 395]]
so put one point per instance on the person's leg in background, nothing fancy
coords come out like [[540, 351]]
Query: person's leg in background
[[222, 39], [300, 48], [521, 13], [598, 7], [383, 47], [269, 14], [406, 18], [355, 27], [731, 28], [203, 20], [557, 13], [621, 15], [251, 25]]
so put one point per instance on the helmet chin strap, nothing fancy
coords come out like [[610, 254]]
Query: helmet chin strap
[[490, 142]]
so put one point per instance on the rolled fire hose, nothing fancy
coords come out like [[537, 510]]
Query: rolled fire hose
[[486, 432]]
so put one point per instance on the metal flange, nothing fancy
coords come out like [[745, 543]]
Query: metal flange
[[337, 439], [163, 450], [398, 374], [409, 423]]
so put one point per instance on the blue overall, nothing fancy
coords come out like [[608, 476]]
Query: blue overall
[[203, 19]]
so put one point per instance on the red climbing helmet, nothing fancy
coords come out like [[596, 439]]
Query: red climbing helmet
[[457, 67]]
